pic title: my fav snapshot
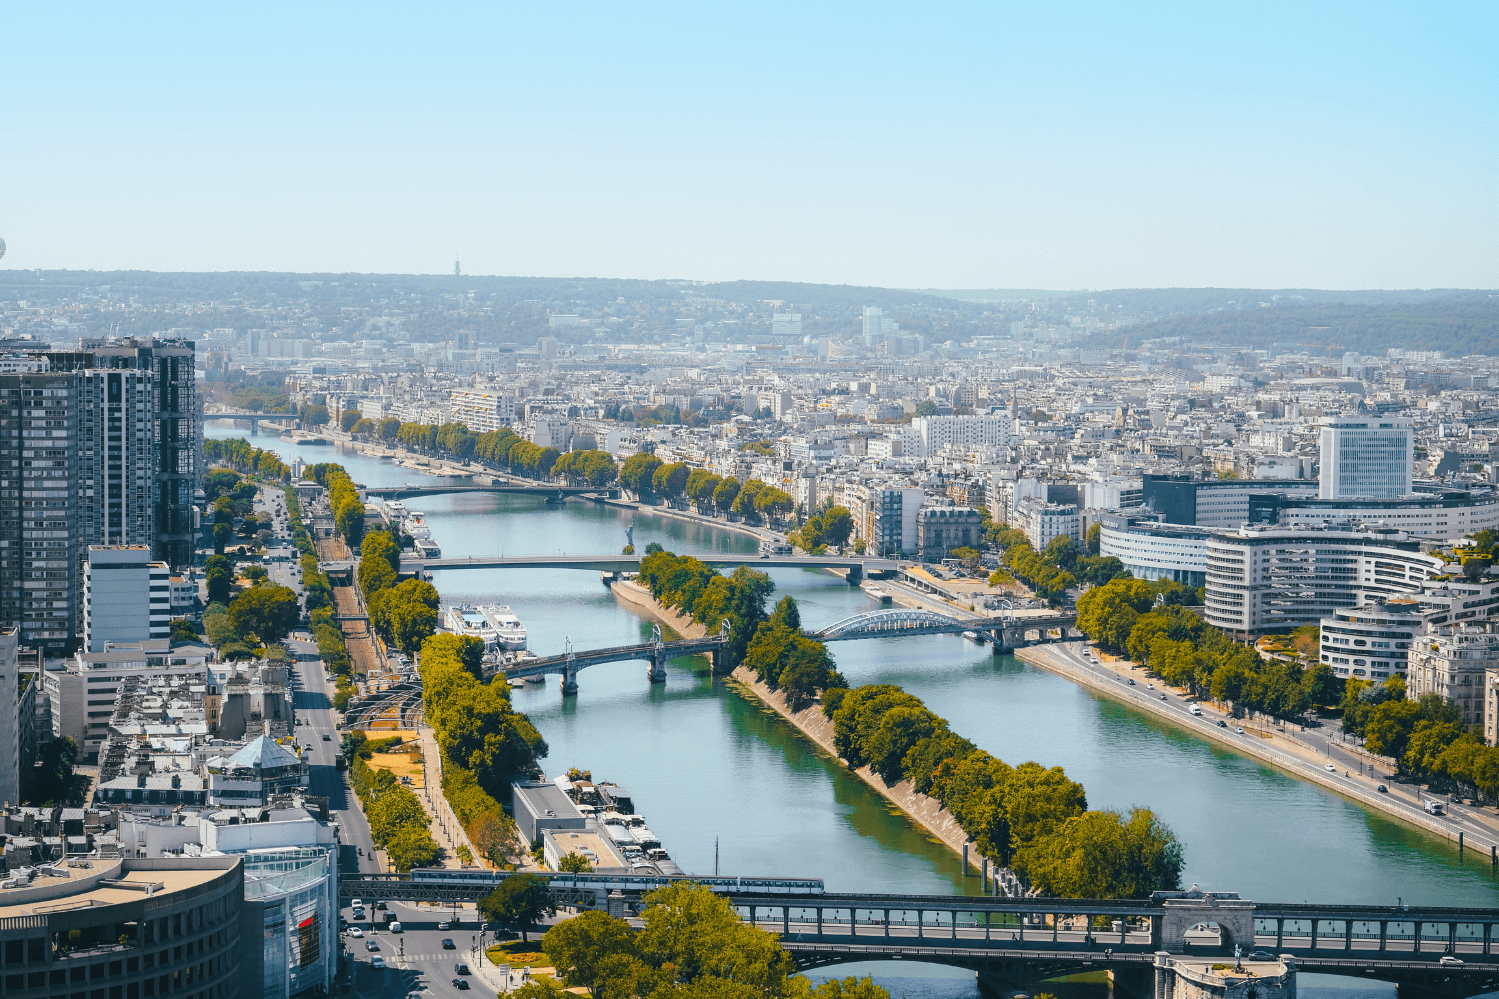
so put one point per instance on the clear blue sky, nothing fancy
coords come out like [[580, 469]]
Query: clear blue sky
[[1022, 145]]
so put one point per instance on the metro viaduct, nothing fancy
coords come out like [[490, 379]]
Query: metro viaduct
[[1016, 942], [856, 568], [550, 492]]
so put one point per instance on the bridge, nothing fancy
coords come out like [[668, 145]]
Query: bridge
[[1006, 630], [550, 492], [254, 419], [1151, 947], [656, 652], [856, 568]]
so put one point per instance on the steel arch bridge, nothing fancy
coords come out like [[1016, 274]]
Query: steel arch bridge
[[905, 620]]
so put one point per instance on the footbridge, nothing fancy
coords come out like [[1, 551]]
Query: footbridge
[[856, 569], [1152, 947], [396, 707], [549, 492]]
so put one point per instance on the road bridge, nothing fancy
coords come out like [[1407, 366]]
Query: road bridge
[[1013, 943], [856, 568], [656, 652], [254, 419], [548, 492]]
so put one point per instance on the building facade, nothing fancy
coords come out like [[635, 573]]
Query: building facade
[[483, 412], [1369, 457], [1272, 581], [127, 597], [1452, 663], [940, 529], [1043, 521], [1150, 549], [1371, 642]]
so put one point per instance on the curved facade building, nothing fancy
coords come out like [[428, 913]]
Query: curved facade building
[[1153, 550], [117, 928], [1271, 580], [1371, 642]]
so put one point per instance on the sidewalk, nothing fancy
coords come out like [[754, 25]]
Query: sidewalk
[[445, 827]]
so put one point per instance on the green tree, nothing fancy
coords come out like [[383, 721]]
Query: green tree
[[574, 863], [698, 936], [267, 612], [518, 903], [579, 947], [725, 493], [221, 535], [1106, 855], [1094, 539], [348, 419], [638, 473], [670, 480], [412, 847]]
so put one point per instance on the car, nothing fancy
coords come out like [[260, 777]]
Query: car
[[357, 903], [355, 932], [1381, 789], [394, 927], [1150, 686], [1131, 683], [372, 945], [447, 944], [1222, 723], [1163, 697], [1239, 730], [461, 984], [1449, 959], [377, 962], [1261, 955], [327, 737], [380, 905], [460, 968], [1331, 768]]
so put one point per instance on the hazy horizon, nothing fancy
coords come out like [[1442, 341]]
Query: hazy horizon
[[963, 148]]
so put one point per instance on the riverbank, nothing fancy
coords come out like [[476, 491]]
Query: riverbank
[[1264, 747], [925, 811]]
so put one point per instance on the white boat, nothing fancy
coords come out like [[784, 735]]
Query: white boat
[[877, 593], [466, 620], [509, 633], [394, 511], [415, 525]]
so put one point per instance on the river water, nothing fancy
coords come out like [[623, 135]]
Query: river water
[[721, 779]]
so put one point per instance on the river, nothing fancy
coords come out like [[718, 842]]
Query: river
[[712, 771]]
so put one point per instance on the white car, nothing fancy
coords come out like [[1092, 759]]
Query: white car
[[1330, 768], [355, 931]]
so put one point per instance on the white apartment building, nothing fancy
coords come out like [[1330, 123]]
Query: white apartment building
[[126, 596], [483, 412], [1452, 664], [1368, 457], [886, 517], [928, 435], [1042, 521], [550, 430]]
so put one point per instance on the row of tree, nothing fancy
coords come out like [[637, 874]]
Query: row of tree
[[1425, 737], [1030, 818], [484, 741], [241, 455], [1053, 571], [343, 499], [588, 468], [398, 823], [405, 613], [831, 526], [1149, 623]]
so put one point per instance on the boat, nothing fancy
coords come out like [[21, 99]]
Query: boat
[[415, 525], [509, 633], [427, 548], [883, 596], [466, 620]]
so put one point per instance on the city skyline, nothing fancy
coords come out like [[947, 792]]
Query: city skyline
[[970, 148]]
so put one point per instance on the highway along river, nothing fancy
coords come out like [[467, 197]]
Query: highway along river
[[705, 765]]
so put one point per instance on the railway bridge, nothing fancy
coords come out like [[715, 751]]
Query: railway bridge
[[1175, 943], [253, 419], [548, 492], [856, 568]]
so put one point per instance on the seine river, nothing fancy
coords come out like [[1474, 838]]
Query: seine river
[[710, 770]]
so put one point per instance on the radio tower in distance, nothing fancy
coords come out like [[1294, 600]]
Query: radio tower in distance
[[457, 272]]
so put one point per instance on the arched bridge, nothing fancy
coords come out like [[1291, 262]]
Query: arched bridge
[[656, 652], [1154, 947], [407, 492], [1007, 630]]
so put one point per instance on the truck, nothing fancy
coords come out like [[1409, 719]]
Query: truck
[[339, 761], [1433, 807]]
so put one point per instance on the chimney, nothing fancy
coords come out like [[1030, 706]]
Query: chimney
[[176, 781], [140, 780]]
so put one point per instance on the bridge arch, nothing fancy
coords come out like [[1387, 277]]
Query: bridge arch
[[895, 619]]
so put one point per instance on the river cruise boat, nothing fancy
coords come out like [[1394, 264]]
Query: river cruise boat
[[466, 620], [509, 633]]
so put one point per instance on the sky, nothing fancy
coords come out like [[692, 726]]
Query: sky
[[919, 145]]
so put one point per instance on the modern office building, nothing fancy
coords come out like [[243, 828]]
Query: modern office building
[[1372, 642], [14, 721], [1151, 549], [876, 325], [127, 928], [1366, 457], [126, 596], [1272, 580], [1223, 503], [483, 412], [1439, 515]]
